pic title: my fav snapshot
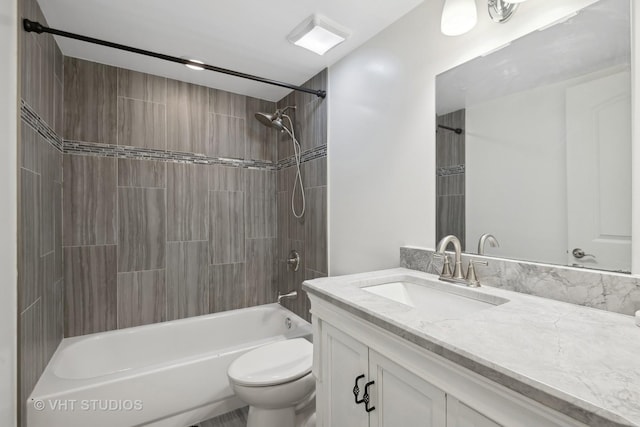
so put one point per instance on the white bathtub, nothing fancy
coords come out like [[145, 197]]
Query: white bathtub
[[171, 374]]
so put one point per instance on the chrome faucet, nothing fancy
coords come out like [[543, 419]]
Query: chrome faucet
[[457, 274], [487, 238], [290, 294]]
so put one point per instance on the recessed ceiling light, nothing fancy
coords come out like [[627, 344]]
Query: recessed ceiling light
[[317, 35], [194, 64]]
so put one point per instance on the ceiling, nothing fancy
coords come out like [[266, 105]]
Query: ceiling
[[597, 38], [249, 36]]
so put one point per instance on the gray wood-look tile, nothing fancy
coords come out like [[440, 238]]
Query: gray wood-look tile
[[226, 136], [145, 87], [141, 173], [313, 116], [284, 212], [187, 279], [49, 179], [47, 79], [29, 283], [90, 101], [142, 229], [187, 115], [316, 229], [226, 227], [284, 143], [53, 317], [237, 418], [58, 231], [58, 63], [450, 147], [223, 178], [451, 185], [89, 200], [314, 173], [32, 352], [226, 287], [187, 202], [30, 66], [141, 124], [58, 107], [142, 298], [227, 103], [296, 226], [261, 140], [260, 204], [29, 153], [261, 271], [90, 293], [450, 218]]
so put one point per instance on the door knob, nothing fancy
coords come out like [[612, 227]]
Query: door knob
[[579, 253]]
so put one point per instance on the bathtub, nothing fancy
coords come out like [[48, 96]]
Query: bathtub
[[171, 374]]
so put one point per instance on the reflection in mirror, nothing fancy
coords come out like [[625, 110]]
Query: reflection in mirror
[[534, 144]]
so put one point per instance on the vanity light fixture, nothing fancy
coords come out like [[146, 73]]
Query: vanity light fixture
[[458, 17], [501, 11], [317, 34]]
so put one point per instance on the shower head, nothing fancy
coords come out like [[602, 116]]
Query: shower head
[[273, 120]]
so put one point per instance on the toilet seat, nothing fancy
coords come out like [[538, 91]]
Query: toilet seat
[[273, 364]]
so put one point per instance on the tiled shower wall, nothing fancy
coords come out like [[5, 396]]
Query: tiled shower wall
[[169, 200], [308, 235], [40, 285], [450, 180]]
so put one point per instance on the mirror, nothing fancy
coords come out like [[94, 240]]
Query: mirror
[[534, 144]]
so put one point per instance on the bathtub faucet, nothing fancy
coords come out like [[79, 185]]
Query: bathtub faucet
[[290, 294]]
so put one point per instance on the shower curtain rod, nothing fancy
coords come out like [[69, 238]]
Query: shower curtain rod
[[456, 130], [36, 27]]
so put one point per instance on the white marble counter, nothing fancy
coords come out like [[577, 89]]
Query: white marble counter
[[580, 361]]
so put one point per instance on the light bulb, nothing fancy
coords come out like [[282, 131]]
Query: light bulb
[[458, 17]]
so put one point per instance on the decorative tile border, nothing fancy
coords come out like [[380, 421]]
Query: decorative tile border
[[30, 117], [314, 153], [127, 152], [450, 170], [615, 292]]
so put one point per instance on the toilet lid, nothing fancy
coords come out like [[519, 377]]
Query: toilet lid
[[272, 364]]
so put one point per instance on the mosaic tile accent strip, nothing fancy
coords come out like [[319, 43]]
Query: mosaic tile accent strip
[[616, 292], [30, 117], [126, 152], [314, 153], [450, 170]]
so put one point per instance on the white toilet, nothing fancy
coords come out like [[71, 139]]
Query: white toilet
[[277, 383]]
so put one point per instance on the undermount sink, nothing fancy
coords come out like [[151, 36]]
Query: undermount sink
[[437, 301]]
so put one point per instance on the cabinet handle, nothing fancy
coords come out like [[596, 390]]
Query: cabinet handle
[[366, 397], [356, 389]]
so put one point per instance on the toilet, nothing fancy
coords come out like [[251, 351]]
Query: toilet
[[276, 382]]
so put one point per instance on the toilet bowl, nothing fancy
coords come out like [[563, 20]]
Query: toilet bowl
[[276, 382]]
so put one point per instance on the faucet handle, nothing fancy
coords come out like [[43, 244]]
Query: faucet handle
[[446, 267], [472, 278]]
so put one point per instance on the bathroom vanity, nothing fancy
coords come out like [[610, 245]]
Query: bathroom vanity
[[401, 348]]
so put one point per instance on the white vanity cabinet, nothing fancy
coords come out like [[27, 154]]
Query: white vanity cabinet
[[388, 394], [408, 386]]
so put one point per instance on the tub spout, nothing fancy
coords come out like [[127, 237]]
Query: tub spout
[[290, 294]]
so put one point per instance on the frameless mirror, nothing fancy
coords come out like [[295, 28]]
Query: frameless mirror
[[534, 144]]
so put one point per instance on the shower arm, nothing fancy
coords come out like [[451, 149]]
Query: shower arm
[[36, 27]]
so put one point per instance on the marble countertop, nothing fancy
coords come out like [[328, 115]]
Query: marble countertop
[[580, 361]]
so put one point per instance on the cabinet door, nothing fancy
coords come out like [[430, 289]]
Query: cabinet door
[[460, 415], [342, 360], [402, 399]]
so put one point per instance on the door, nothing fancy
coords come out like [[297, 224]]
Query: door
[[599, 173], [460, 415], [343, 359], [402, 399]]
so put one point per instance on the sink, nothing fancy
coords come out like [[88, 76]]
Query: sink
[[435, 300]]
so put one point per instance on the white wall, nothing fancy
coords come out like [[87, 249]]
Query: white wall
[[8, 194], [382, 129]]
